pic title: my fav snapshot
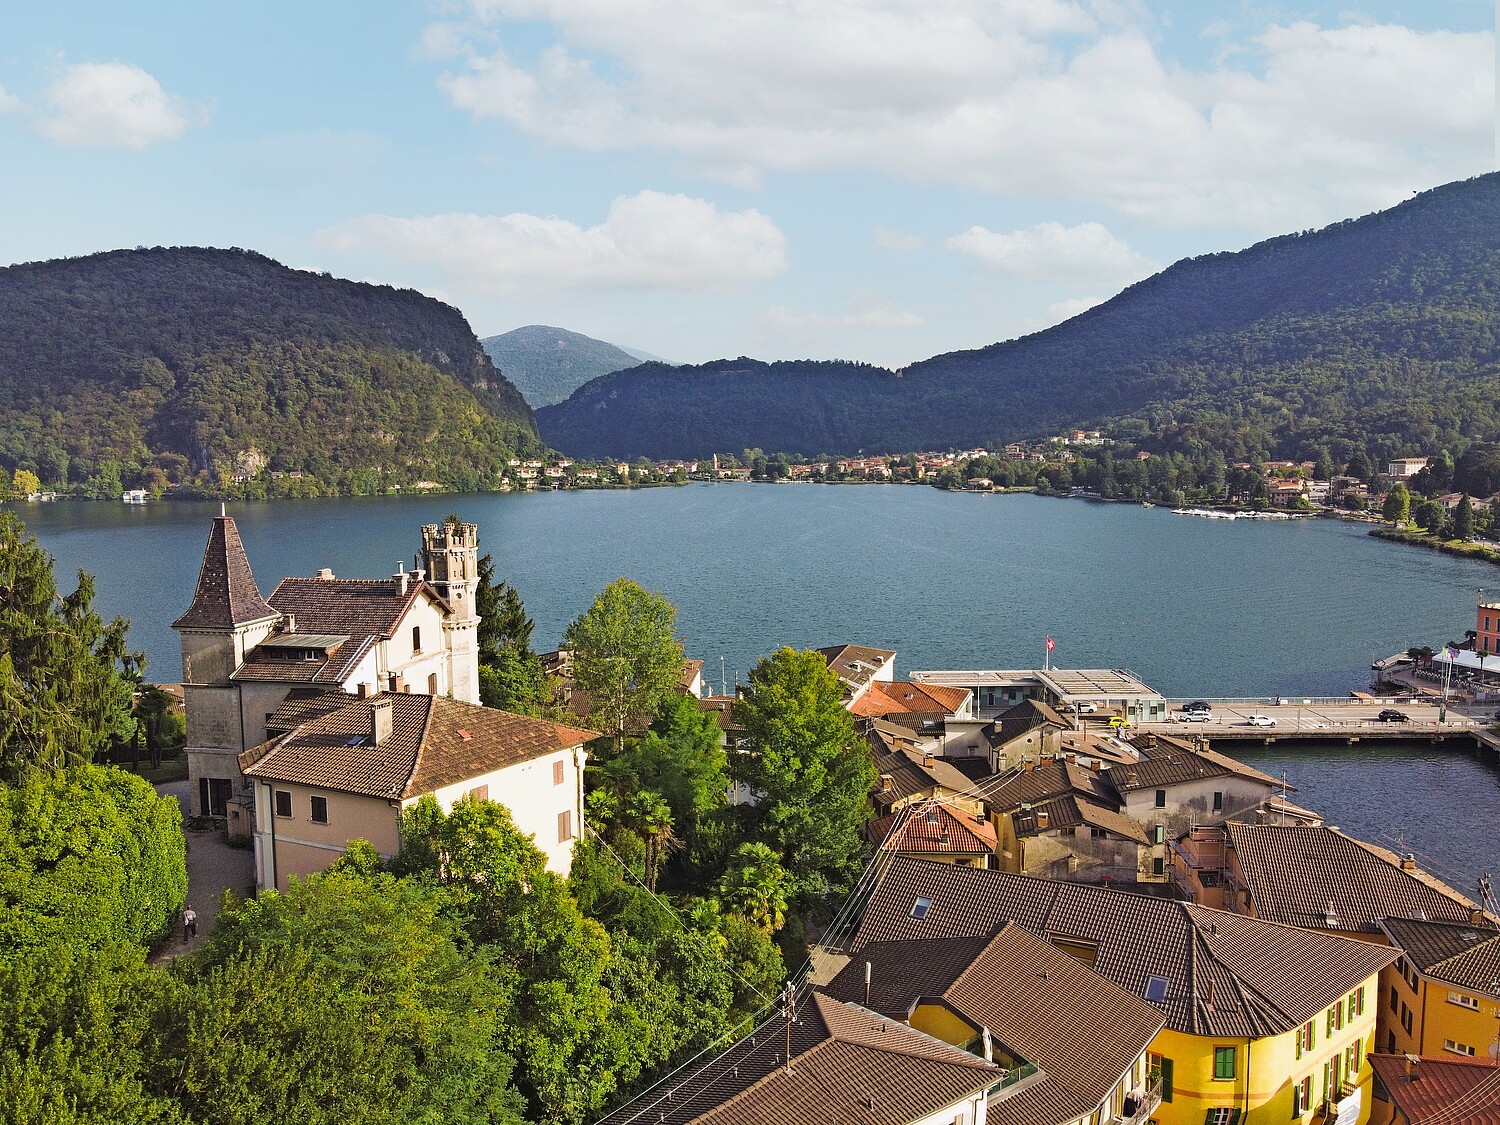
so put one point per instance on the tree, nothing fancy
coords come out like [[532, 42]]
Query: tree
[[88, 856], [651, 817], [681, 757], [24, 483], [756, 887], [1431, 516], [1463, 518], [810, 767], [625, 656], [1397, 506], [63, 689], [349, 997], [502, 616]]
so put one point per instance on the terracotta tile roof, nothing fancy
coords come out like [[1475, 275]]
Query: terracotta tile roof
[[1464, 955], [1225, 974], [934, 829], [1069, 811], [856, 664], [1446, 1091], [292, 713], [1294, 873], [226, 595], [353, 606], [1170, 762], [912, 772], [270, 665], [1082, 1030], [426, 750], [1049, 779], [848, 1065], [1024, 716], [925, 698]]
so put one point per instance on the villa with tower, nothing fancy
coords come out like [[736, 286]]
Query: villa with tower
[[244, 656]]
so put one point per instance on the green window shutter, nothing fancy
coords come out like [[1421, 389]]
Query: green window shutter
[[1166, 1080], [1234, 1118]]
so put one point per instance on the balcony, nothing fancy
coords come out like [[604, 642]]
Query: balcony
[[1140, 1104]]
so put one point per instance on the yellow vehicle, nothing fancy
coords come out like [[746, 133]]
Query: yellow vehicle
[[1119, 722]]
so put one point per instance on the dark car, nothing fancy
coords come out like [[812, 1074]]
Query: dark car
[[1391, 715], [1197, 705]]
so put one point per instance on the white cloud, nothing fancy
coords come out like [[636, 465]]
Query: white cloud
[[867, 312], [1053, 252], [8, 101], [887, 238], [113, 104], [648, 241], [1297, 124]]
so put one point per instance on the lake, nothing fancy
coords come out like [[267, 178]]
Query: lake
[[949, 580]]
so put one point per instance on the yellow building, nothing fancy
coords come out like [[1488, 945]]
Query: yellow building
[[1263, 1022], [1440, 998]]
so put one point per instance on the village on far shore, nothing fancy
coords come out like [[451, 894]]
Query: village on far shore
[[1078, 910]]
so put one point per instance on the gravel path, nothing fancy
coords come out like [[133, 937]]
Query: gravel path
[[212, 867]]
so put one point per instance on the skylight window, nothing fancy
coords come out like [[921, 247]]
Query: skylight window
[[920, 908], [357, 740], [1156, 989]]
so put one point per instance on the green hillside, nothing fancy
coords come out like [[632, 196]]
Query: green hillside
[[548, 364], [1380, 334], [140, 368]]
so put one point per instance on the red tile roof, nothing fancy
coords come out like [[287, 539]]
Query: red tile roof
[[1442, 1091], [352, 606], [934, 829], [226, 595]]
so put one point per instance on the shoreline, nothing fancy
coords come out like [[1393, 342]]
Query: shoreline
[[1457, 548]]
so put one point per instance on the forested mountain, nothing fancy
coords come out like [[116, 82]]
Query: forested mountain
[[548, 364], [1380, 334], [197, 366]]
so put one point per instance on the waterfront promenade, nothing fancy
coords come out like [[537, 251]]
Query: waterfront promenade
[[1306, 719]]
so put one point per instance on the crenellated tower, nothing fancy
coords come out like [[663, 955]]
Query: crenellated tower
[[450, 558]]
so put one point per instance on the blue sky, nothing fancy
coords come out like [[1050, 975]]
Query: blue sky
[[880, 180]]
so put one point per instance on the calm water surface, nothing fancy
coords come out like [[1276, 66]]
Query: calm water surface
[[1193, 606]]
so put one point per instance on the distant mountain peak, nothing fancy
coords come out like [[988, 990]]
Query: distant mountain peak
[[547, 363]]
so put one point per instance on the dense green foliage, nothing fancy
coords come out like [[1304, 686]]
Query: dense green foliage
[[626, 657], [140, 368], [1380, 334], [64, 693], [811, 768], [548, 364], [88, 856]]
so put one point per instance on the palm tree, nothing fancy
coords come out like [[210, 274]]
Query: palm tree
[[757, 886], [652, 818]]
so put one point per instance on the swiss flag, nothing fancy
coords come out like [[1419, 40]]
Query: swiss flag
[[1051, 647]]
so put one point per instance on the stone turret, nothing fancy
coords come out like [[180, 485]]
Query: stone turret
[[227, 618], [450, 559]]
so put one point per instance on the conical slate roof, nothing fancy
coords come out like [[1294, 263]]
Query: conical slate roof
[[227, 595]]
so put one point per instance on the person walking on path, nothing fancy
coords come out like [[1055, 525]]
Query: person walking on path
[[189, 923]]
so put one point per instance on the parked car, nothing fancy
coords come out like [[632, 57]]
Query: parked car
[[1391, 715], [1119, 722], [1086, 707], [1197, 716], [1197, 705], [1259, 721]]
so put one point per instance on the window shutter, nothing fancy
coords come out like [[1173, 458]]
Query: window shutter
[[1166, 1080]]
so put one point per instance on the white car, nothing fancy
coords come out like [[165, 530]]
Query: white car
[[1087, 708], [1259, 721], [1197, 716]]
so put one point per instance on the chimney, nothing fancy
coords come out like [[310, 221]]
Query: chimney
[[1408, 862], [1331, 917], [1095, 764], [1413, 1067], [887, 783], [1042, 818], [362, 691], [325, 574], [867, 984], [989, 1046], [289, 623], [401, 577], [927, 757], [381, 719]]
